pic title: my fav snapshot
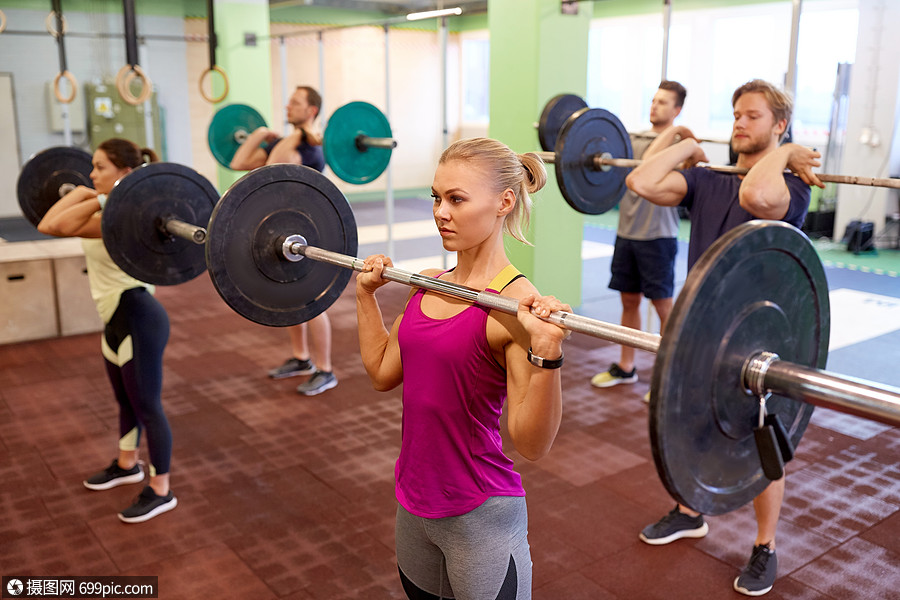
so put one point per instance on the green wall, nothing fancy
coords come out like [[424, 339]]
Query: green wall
[[248, 67], [165, 8], [624, 8], [544, 53]]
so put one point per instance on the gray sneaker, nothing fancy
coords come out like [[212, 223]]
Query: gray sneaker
[[674, 526], [758, 576], [318, 383], [292, 367]]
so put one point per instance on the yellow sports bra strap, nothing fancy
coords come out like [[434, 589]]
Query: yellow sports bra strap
[[504, 278]]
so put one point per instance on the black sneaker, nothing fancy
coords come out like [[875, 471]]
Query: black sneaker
[[758, 576], [317, 384], [147, 505], [614, 376], [114, 475], [674, 526], [292, 367]]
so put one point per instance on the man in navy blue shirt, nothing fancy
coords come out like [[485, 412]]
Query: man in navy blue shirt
[[302, 147], [717, 203]]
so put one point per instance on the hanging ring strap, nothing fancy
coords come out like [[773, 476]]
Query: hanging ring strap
[[48, 23], [73, 85], [2, 21], [131, 69], [60, 34], [124, 79], [209, 98], [213, 67]]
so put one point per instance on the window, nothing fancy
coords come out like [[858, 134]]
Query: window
[[475, 71], [712, 52]]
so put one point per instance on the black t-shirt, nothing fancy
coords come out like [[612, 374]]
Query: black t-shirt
[[312, 156]]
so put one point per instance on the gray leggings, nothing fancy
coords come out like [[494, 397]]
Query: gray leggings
[[481, 555]]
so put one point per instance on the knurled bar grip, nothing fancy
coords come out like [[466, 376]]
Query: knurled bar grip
[[606, 331], [781, 377]]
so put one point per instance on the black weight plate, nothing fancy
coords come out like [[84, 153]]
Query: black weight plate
[[591, 132], [228, 124], [133, 216], [43, 175], [246, 232], [760, 287], [556, 112]]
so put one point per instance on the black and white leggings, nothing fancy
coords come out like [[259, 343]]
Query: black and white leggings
[[133, 344]]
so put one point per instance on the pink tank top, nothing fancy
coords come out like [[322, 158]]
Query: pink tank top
[[451, 453]]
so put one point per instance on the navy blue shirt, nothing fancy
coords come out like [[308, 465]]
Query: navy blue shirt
[[312, 156], [714, 205]]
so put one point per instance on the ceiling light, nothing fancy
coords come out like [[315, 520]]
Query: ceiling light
[[431, 14]]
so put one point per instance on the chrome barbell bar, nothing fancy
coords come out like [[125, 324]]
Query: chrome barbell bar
[[761, 373], [603, 162]]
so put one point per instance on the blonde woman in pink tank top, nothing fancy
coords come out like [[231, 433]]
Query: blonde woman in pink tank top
[[461, 527]]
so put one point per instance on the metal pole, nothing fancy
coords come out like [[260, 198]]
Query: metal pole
[[63, 67], [67, 123], [282, 52], [790, 78], [667, 18], [148, 103], [322, 79], [389, 192], [445, 127]]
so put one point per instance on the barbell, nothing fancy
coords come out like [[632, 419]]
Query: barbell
[[593, 154], [357, 141], [727, 343], [562, 106], [752, 319]]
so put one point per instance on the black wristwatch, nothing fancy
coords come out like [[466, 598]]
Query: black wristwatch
[[545, 363]]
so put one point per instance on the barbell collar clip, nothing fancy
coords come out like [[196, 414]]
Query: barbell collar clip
[[293, 246], [753, 373]]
